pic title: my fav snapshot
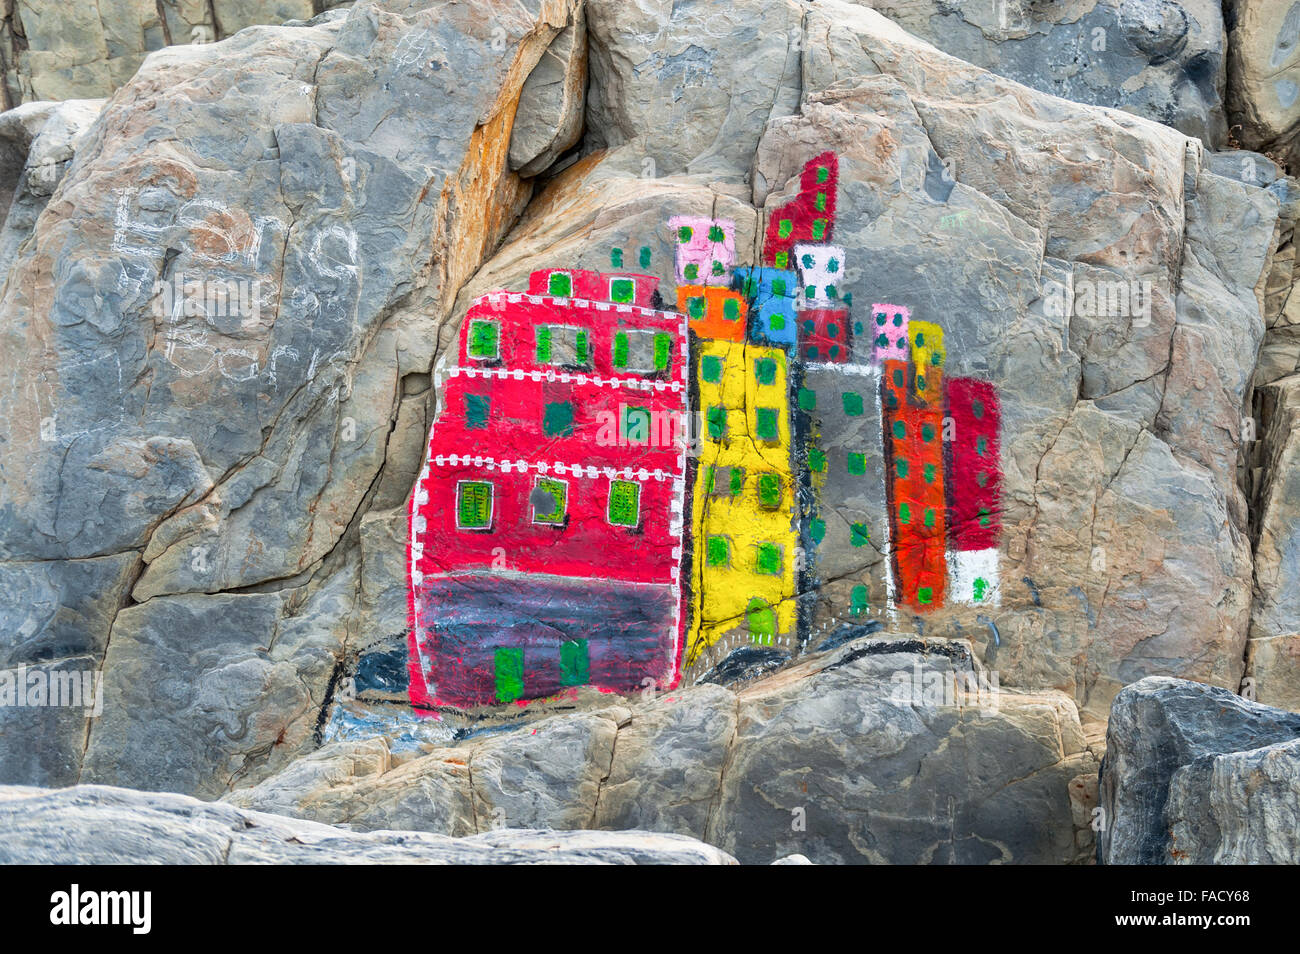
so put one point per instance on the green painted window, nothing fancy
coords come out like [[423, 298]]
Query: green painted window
[[696, 306], [925, 595], [858, 600], [901, 467], [778, 287], [731, 309], [760, 620], [768, 559], [474, 505], [716, 234], [765, 370], [684, 234], [616, 258], [817, 529], [716, 417], [620, 350], [557, 419], [622, 290], [820, 202], [645, 256], [858, 535], [478, 407], [509, 664], [624, 503], [928, 517], [636, 425], [769, 491], [765, 424], [575, 668], [816, 459], [904, 513], [857, 464], [718, 268], [823, 173], [550, 500], [560, 284], [776, 322], [691, 272], [484, 340], [663, 351], [929, 473], [711, 368], [581, 352], [807, 399], [718, 552], [782, 259], [784, 228], [819, 229], [852, 403], [543, 344]]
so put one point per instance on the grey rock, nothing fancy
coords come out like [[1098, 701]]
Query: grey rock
[[1264, 83], [1163, 786], [885, 750], [95, 824], [1158, 59], [1239, 808], [549, 118]]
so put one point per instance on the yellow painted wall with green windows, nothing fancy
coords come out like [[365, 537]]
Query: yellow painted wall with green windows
[[745, 533]]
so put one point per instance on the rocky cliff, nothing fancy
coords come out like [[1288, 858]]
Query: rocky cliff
[[209, 515]]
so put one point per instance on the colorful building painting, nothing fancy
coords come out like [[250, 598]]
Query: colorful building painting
[[558, 537], [546, 526], [744, 568]]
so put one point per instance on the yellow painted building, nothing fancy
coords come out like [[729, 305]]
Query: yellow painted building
[[744, 572]]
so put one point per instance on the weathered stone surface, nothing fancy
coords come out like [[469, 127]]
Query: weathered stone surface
[[1158, 59], [551, 105], [96, 824], [1177, 753], [860, 746], [1239, 808], [1273, 670], [1264, 82]]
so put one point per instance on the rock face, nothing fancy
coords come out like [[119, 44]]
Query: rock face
[[230, 348], [78, 50], [833, 759], [98, 824], [1197, 775], [1264, 83], [1159, 59]]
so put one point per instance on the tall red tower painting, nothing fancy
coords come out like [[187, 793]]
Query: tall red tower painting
[[546, 528]]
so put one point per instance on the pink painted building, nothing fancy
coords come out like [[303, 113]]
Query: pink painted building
[[546, 527]]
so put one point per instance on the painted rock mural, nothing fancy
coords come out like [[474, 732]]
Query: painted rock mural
[[616, 492]]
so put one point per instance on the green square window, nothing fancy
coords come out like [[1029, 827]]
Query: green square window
[[718, 268], [731, 309], [776, 322], [823, 173], [684, 234], [819, 229], [543, 344], [858, 600], [716, 417], [636, 424], [624, 503], [663, 351], [817, 529], [765, 370], [484, 340], [474, 505], [782, 259], [581, 353], [784, 228], [550, 500], [575, 667], [716, 234], [691, 272], [644, 256], [560, 284], [718, 552], [509, 666], [778, 287], [616, 257], [816, 459], [769, 491], [557, 419], [857, 464], [852, 403], [820, 202], [711, 368], [620, 350], [622, 290], [858, 536], [807, 399], [696, 307], [765, 424], [477, 409], [768, 559]]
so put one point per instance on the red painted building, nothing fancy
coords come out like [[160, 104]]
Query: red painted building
[[914, 460], [807, 218], [546, 527]]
